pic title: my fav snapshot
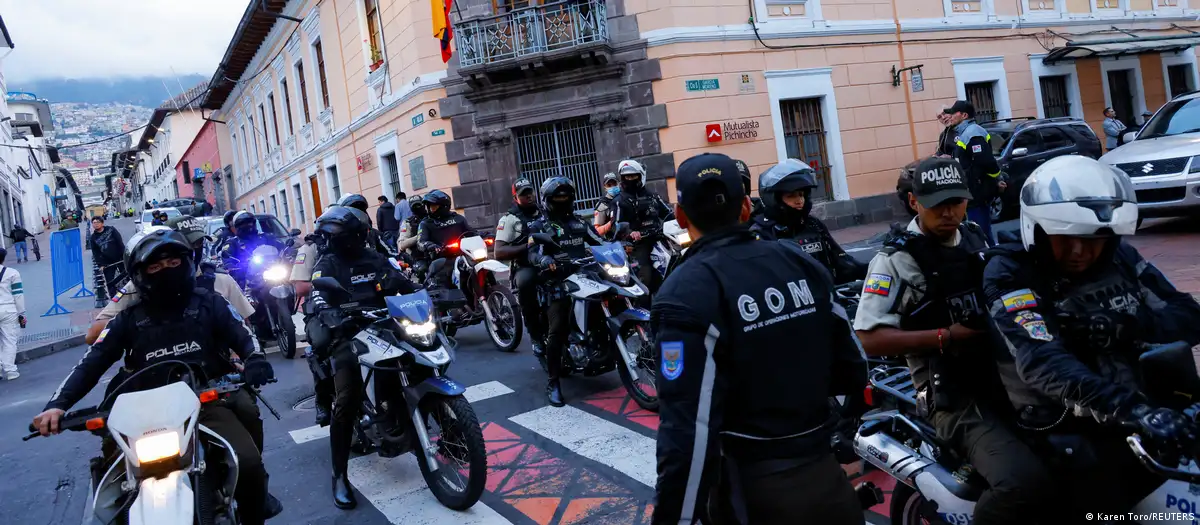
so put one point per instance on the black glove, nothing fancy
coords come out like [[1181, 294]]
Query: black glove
[[543, 261], [1169, 432], [1101, 330], [258, 371]]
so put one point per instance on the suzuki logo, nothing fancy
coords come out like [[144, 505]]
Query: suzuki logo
[[713, 132], [1147, 168]]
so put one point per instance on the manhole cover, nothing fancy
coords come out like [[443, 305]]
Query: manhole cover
[[306, 404]]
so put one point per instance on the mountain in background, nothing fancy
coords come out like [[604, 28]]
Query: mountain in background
[[144, 91]]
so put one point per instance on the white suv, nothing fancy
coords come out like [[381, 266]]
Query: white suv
[[1163, 162]]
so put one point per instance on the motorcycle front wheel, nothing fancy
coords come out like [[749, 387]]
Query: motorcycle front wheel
[[644, 390], [460, 451], [906, 506], [505, 323], [285, 335]]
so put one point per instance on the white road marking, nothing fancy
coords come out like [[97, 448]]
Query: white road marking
[[486, 390], [473, 394], [628, 452], [396, 489]]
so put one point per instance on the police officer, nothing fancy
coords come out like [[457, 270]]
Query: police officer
[[572, 236], [440, 228], [374, 239], [408, 230], [974, 153], [922, 300], [1071, 300], [512, 236], [786, 191], [238, 251], [756, 205], [602, 219], [226, 232], [173, 312], [368, 276], [743, 438], [645, 212]]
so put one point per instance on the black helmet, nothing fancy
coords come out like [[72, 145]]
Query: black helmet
[[353, 200], [243, 222], [440, 199], [787, 176], [229, 218], [344, 228], [744, 170], [155, 244], [558, 187], [417, 205]]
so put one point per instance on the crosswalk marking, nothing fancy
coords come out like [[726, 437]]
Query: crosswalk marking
[[396, 489], [628, 452]]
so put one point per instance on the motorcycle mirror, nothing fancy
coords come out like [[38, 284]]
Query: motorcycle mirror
[[1171, 367], [295, 232]]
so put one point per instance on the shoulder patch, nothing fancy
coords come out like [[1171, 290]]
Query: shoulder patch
[[103, 334], [117, 298], [235, 313], [977, 148], [878, 284], [301, 257], [1033, 323], [316, 274], [1022, 299], [672, 359]]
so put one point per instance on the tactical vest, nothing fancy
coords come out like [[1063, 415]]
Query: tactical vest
[[953, 294], [570, 235], [639, 210], [188, 338]]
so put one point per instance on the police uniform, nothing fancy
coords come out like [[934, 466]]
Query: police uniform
[[920, 283], [222, 284], [973, 151], [645, 212], [306, 259], [814, 238], [744, 433], [513, 229]]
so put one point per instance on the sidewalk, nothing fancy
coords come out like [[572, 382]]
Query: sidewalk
[[46, 335]]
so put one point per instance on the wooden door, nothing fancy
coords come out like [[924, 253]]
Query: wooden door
[[316, 195]]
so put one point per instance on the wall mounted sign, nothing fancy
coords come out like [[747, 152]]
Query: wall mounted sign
[[433, 113], [366, 161], [418, 119], [746, 85], [704, 84], [732, 130], [918, 81], [439, 132]]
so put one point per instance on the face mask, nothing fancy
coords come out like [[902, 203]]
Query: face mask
[[613, 191], [170, 287]]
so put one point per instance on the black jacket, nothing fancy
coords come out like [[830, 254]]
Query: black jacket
[[202, 334], [644, 210], [1045, 372], [814, 238], [385, 217], [572, 235], [435, 233], [107, 246], [369, 278], [18, 234], [733, 377], [973, 150]]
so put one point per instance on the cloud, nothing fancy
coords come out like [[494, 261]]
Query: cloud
[[117, 38]]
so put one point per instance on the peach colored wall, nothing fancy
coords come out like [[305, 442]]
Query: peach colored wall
[[1141, 5], [1079, 6], [1153, 83], [921, 8], [856, 9]]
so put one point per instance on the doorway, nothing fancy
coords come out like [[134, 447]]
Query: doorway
[[316, 195], [1120, 89]]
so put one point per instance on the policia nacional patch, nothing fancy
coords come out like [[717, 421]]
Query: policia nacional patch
[[672, 359]]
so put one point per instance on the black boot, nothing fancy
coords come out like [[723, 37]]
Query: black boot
[[323, 415], [554, 393], [343, 493], [272, 507]]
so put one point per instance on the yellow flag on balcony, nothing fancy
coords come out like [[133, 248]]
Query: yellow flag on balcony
[[441, 25]]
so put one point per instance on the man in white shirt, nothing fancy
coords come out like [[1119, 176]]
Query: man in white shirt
[[12, 317]]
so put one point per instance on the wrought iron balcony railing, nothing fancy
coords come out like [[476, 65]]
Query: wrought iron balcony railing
[[531, 30]]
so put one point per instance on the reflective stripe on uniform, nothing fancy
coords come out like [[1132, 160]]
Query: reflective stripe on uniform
[[700, 444]]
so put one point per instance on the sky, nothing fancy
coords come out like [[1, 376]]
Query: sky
[[117, 38]]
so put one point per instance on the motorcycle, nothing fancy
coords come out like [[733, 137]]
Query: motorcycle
[[608, 330], [410, 405], [674, 243], [478, 294], [936, 486], [166, 469], [273, 297]]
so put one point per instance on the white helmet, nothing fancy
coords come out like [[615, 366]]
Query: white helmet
[[631, 167], [1074, 195]]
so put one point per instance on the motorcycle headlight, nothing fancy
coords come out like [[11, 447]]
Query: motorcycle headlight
[[157, 447], [275, 273], [257, 259], [479, 254], [421, 333], [616, 271]]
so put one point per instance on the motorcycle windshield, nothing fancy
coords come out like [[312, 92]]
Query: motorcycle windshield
[[415, 306], [610, 253], [264, 254]]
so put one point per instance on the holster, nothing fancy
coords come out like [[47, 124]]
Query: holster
[[320, 367]]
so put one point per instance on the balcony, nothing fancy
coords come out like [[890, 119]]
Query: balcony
[[532, 36]]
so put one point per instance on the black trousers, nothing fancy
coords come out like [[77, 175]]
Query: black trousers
[[812, 491], [347, 402], [251, 490], [525, 281], [558, 316], [646, 273], [1020, 482], [113, 274], [1101, 474]]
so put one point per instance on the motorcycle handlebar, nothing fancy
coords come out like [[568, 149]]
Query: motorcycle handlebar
[[1135, 444]]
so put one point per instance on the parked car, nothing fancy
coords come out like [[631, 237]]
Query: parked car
[[147, 217], [189, 206], [1163, 160], [1022, 144]]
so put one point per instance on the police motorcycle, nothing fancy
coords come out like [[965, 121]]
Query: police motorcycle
[[608, 330], [479, 293], [936, 486], [272, 295], [675, 241], [166, 469], [410, 404]]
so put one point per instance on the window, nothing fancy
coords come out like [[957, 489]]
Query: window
[[504, 6], [287, 106], [299, 203], [565, 148], [25, 116], [1055, 102], [1054, 138], [416, 170], [335, 185], [962, 7], [256, 133], [1179, 76], [321, 74], [303, 90], [262, 203], [287, 214], [253, 209], [1175, 118], [374, 32], [262, 113], [982, 96], [237, 153], [1028, 140], [805, 138], [392, 172], [274, 206]]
